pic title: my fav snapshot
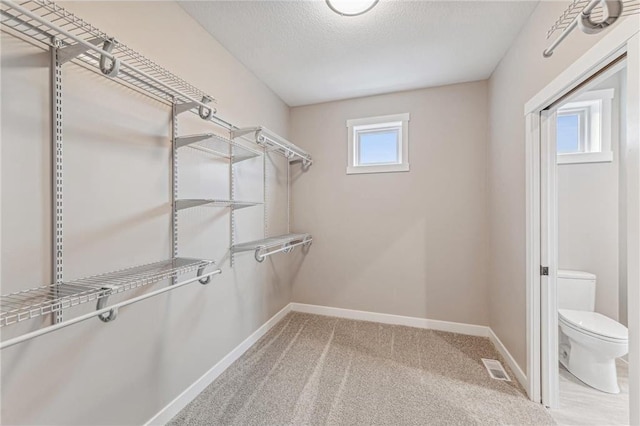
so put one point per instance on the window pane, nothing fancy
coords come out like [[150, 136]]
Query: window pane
[[568, 134], [378, 147]]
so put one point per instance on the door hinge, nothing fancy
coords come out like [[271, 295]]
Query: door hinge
[[544, 270]]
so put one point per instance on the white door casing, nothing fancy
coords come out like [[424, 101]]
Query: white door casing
[[549, 258]]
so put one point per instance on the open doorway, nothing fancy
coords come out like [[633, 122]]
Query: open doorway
[[616, 54], [588, 129]]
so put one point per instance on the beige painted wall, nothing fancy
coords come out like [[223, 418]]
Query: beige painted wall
[[521, 74], [117, 214], [589, 216], [411, 243]]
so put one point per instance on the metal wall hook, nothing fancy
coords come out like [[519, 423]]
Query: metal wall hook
[[112, 70], [205, 113], [102, 301], [612, 9], [259, 257], [260, 138], [287, 248], [205, 280]]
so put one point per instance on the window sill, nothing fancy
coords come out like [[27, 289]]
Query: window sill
[[392, 168], [586, 157]]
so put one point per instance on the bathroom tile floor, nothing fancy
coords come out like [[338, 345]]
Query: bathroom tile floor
[[583, 405]]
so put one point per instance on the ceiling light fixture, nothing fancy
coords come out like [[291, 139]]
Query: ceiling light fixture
[[351, 7]]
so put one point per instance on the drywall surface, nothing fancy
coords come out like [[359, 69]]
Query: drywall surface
[[407, 243], [588, 216], [521, 74], [117, 214]]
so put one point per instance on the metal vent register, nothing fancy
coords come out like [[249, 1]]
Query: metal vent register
[[495, 369]]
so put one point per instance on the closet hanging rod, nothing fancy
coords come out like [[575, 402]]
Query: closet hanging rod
[[281, 243], [263, 136], [585, 16], [102, 311], [105, 54], [260, 256]]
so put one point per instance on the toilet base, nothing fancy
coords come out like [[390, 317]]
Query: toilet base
[[596, 371]]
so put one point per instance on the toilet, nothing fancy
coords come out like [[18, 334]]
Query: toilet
[[589, 342]]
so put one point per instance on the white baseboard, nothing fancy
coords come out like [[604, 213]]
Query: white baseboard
[[189, 394], [453, 327], [520, 376]]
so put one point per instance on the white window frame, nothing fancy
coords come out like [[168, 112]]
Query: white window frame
[[595, 110], [400, 121]]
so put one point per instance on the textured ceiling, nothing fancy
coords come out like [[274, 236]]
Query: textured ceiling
[[308, 54]]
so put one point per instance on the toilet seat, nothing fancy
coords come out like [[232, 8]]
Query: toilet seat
[[594, 324]]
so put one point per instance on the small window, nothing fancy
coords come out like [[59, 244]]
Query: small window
[[571, 134], [378, 144], [583, 129]]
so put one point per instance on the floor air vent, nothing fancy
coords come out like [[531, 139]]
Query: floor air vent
[[495, 369]]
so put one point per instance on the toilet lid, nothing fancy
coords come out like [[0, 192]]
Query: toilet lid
[[595, 324]]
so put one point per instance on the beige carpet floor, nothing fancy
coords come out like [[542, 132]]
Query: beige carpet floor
[[316, 370]]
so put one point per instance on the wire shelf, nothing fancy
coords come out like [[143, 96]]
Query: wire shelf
[[272, 245], [218, 146], [270, 140], [189, 203], [630, 7], [135, 70], [36, 302]]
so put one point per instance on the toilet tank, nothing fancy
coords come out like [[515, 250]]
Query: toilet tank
[[576, 290]]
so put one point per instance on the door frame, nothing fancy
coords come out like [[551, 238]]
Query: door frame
[[541, 293]]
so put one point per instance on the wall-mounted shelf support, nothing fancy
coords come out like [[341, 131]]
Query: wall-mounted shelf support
[[272, 245], [203, 111], [72, 51], [57, 172]]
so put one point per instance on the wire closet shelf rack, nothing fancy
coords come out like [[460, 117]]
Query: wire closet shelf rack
[[46, 22], [71, 39], [49, 24], [218, 146], [591, 10], [28, 304], [272, 245], [188, 203], [86, 291]]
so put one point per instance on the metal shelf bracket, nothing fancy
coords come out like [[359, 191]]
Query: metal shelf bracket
[[188, 140], [204, 113], [72, 51]]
